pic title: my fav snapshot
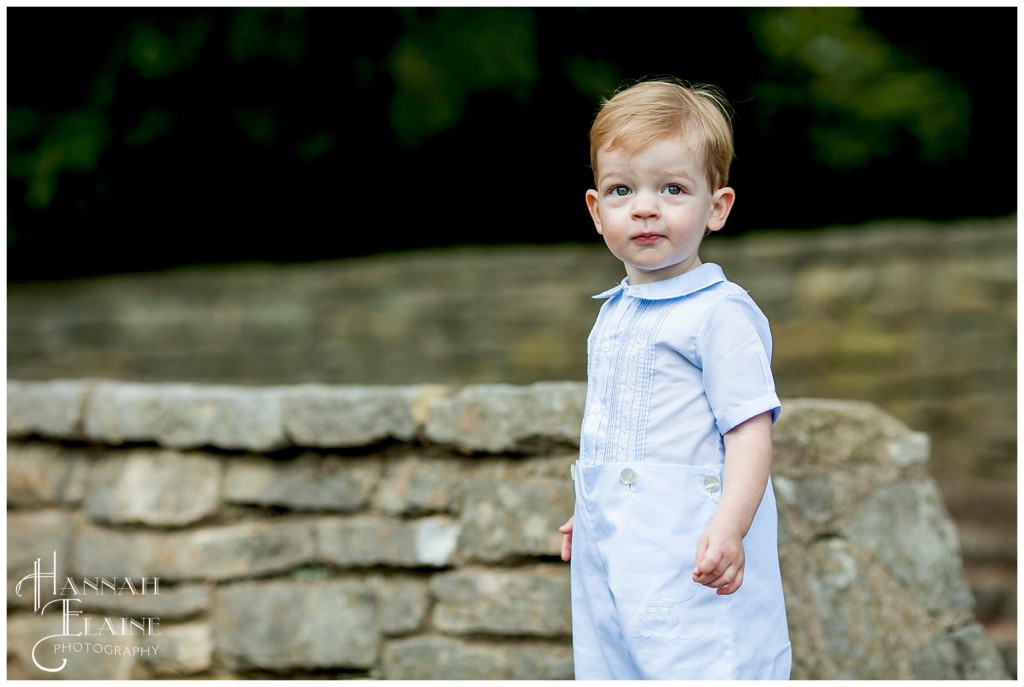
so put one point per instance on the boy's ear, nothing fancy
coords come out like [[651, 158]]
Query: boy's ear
[[721, 205], [595, 213]]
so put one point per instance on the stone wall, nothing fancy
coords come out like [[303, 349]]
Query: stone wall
[[917, 318], [410, 533]]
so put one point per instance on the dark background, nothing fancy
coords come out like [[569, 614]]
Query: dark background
[[144, 138]]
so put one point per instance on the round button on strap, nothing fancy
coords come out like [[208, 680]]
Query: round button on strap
[[712, 483], [628, 475]]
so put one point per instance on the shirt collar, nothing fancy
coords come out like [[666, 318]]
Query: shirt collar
[[681, 285]]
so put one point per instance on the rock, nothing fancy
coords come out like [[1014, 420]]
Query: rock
[[308, 482], [445, 658], [186, 416], [153, 487], [514, 602], [500, 417], [283, 625]]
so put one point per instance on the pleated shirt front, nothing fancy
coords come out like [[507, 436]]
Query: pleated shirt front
[[672, 366]]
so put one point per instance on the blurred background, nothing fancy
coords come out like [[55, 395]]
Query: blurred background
[[258, 195], [143, 138]]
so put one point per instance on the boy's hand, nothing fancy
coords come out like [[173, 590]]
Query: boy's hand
[[720, 560], [566, 531], [748, 456]]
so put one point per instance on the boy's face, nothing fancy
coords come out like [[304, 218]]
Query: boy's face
[[653, 207]]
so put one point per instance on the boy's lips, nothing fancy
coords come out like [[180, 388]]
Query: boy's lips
[[647, 238]]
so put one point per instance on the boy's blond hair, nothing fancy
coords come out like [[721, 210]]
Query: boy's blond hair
[[650, 111]]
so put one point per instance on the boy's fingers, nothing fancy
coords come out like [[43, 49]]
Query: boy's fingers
[[731, 587], [726, 584], [566, 530], [702, 547], [708, 561]]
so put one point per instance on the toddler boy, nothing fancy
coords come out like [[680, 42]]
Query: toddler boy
[[673, 542]]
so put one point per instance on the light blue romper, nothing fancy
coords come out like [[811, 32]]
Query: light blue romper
[[672, 366]]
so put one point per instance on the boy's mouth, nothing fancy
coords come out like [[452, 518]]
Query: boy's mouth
[[647, 239]]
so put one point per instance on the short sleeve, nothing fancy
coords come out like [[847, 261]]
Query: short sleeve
[[734, 349]]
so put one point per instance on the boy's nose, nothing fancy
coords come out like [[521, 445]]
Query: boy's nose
[[645, 205]]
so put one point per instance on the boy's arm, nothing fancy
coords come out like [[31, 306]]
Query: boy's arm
[[748, 458]]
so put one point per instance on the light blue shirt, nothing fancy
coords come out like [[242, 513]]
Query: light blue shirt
[[671, 367]]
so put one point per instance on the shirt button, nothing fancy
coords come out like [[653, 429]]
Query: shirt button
[[572, 471], [628, 475], [711, 483], [606, 346], [597, 407]]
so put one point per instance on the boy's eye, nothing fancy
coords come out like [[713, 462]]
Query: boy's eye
[[618, 191], [674, 189]]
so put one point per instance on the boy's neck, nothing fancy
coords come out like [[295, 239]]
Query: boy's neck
[[649, 277]]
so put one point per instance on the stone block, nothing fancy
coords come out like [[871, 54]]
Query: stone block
[[446, 658], [516, 514], [822, 435], [962, 654], [282, 625], [51, 409], [870, 625], [245, 550], [814, 503], [417, 484], [318, 416], [185, 416], [907, 528], [498, 418], [853, 625], [32, 536], [402, 604], [44, 474], [370, 540], [154, 487], [308, 482], [179, 650], [87, 657], [515, 601], [206, 554]]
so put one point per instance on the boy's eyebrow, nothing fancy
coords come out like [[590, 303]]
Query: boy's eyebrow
[[680, 173]]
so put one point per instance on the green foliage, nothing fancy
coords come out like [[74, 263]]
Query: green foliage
[[315, 146], [823, 79], [260, 123], [447, 54], [154, 123], [159, 52], [40, 148], [278, 34], [594, 79], [865, 96], [43, 145]]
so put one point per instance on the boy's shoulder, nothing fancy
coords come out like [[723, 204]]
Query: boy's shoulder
[[721, 302], [718, 292], [721, 297]]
